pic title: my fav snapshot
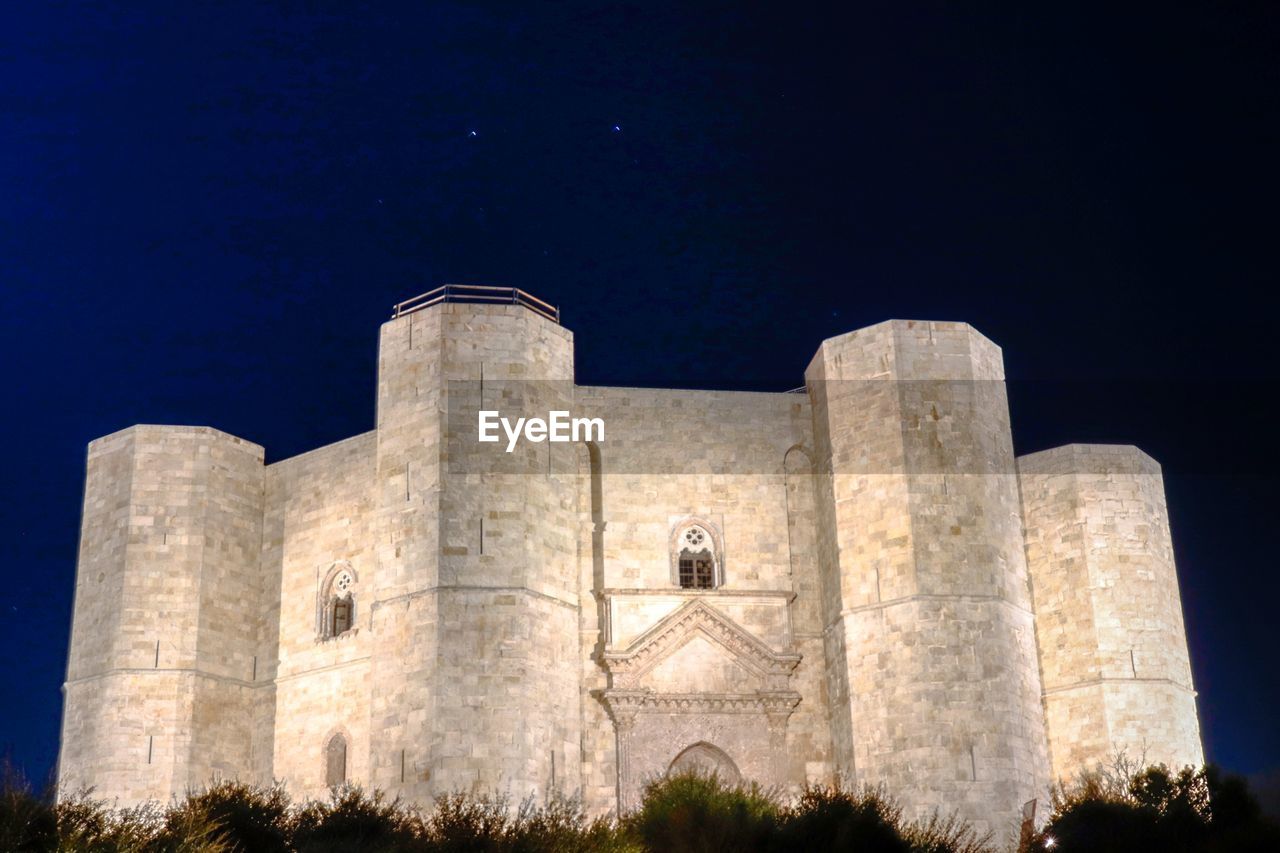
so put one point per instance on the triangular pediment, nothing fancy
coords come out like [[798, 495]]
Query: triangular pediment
[[701, 665], [723, 647]]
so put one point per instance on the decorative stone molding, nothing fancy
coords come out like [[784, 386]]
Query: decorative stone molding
[[340, 581], [773, 703], [707, 758], [695, 533], [654, 727], [626, 668]]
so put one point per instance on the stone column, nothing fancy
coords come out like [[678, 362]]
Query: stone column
[[624, 723]]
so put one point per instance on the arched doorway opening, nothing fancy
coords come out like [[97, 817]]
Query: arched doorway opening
[[706, 760]]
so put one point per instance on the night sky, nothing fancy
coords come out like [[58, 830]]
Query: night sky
[[207, 209]]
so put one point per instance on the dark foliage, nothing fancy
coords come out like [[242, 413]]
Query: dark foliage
[[249, 819], [696, 813], [1157, 809], [1154, 809], [834, 819], [461, 823], [353, 820], [699, 813], [27, 822]]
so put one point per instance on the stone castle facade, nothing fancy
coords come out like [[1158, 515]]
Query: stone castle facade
[[856, 582]]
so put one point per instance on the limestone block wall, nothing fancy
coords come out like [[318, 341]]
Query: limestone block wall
[[319, 514], [808, 749], [721, 457], [926, 568], [161, 689], [833, 587], [509, 668], [476, 665], [406, 543], [598, 752], [1113, 649], [671, 455], [881, 617]]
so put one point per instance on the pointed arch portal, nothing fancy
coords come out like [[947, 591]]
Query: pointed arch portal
[[705, 759]]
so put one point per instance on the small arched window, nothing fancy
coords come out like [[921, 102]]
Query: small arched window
[[695, 557], [337, 609], [335, 761]]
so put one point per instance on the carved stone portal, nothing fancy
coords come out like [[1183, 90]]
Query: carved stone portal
[[699, 691]]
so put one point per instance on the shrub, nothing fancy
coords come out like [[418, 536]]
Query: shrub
[[187, 831], [249, 819], [697, 813], [27, 822], [560, 825], [466, 822], [1114, 809], [1155, 809], [831, 818], [945, 835], [85, 824], [462, 822], [353, 820]]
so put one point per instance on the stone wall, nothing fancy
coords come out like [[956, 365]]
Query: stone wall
[[319, 515], [1113, 649], [518, 619], [476, 663], [926, 576], [720, 459], [161, 692]]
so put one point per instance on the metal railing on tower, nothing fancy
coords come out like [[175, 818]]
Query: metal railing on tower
[[477, 294]]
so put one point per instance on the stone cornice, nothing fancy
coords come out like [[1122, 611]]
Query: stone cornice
[[626, 702], [1094, 682], [784, 596], [444, 589], [926, 597]]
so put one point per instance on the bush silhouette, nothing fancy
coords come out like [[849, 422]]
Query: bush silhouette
[[353, 820], [1152, 809], [461, 822], [27, 822], [697, 813], [1157, 809], [248, 819], [834, 819]]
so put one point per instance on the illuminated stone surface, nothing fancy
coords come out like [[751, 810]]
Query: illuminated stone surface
[[900, 600]]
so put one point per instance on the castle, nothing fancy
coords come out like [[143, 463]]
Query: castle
[[857, 581]]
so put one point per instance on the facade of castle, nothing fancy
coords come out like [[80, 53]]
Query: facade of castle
[[857, 582]]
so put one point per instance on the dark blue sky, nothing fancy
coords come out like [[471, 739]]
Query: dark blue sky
[[206, 210]]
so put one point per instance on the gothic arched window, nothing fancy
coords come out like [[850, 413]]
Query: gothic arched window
[[335, 761], [338, 602], [695, 556]]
